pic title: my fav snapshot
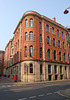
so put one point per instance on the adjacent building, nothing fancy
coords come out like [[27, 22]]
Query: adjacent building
[[1, 61], [39, 50]]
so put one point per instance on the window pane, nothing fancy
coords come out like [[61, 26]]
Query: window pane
[[31, 68], [40, 52], [47, 40], [63, 45], [60, 69], [31, 22], [64, 57], [25, 36], [58, 43], [31, 51], [48, 53], [67, 46], [66, 37], [39, 25], [52, 30], [47, 28], [25, 51], [40, 38], [62, 34], [54, 55], [55, 69], [60, 56], [57, 32], [49, 68], [41, 71], [31, 36], [26, 23], [53, 42]]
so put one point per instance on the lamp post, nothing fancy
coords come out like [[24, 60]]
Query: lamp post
[[66, 11]]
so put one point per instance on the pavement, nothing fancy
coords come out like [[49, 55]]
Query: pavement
[[65, 93]]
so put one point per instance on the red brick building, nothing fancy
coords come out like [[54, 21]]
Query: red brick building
[[69, 43], [38, 50], [1, 61]]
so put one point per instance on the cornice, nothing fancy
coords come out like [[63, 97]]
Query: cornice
[[40, 16]]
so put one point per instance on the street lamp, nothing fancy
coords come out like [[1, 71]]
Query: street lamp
[[66, 11]]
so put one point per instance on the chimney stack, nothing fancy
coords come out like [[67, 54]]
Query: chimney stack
[[54, 19]]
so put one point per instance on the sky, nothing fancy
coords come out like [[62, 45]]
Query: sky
[[11, 11]]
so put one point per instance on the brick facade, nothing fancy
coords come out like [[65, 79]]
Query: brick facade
[[33, 53]]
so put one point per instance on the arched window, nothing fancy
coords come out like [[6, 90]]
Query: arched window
[[48, 42], [26, 36], [31, 36], [48, 53], [31, 68], [26, 22], [25, 51], [31, 22], [31, 51]]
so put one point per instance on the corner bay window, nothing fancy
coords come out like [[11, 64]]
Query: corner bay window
[[31, 51], [31, 22], [26, 22], [26, 36], [31, 36], [25, 51]]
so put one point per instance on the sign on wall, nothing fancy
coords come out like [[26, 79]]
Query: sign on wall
[[25, 68]]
